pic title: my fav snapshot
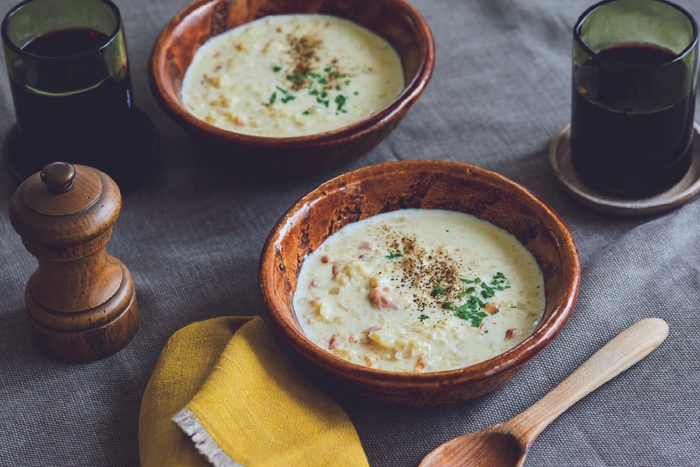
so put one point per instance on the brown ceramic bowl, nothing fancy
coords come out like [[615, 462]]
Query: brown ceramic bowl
[[425, 185], [394, 20]]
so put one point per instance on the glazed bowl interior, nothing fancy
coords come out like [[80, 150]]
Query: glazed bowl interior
[[424, 185], [394, 20]]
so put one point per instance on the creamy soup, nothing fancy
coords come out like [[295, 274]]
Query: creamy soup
[[291, 75], [419, 291]]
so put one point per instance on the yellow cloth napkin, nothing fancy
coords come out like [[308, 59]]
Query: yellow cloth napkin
[[224, 388]]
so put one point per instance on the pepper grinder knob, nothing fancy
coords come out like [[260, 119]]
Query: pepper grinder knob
[[58, 177], [80, 302]]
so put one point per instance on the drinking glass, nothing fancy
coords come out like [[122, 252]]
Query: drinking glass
[[69, 76], [633, 104]]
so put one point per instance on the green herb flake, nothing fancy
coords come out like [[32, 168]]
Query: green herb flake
[[322, 81], [438, 280], [356, 94], [337, 88], [466, 281], [314, 92], [447, 306], [438, 291], [290, 77], [287, 98], [305, 112], [276, 68], [347, 81], [273, 97], [393, 255], [340, 100], [328, 69], [423, 318]]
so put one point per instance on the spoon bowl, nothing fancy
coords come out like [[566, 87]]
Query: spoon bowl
[[506, 444]]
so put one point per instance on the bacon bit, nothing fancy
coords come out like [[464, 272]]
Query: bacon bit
[[367, 332], [420, 364], [379, 298], [335, 271], [333, 342], [352, 338], [216, 55], [481, 328], [218, 67], [511, 333], [492, 307], [278, 29], [325, 259], [366, 246], [314, 283]]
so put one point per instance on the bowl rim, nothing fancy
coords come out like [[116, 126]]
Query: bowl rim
[[410, 93], [447, 379]]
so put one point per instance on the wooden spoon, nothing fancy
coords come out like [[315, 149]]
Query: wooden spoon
[[507, 443]]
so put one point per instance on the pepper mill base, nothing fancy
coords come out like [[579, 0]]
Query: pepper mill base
[[85, 336]]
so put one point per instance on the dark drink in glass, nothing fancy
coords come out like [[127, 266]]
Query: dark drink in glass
[[633, 93], [70, 83]]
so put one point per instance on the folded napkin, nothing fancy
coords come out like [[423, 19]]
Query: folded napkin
[[223, 394]]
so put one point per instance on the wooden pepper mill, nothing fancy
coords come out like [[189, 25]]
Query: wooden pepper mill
[[80, 302]]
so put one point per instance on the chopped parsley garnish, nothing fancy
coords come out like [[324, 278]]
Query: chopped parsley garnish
[[305, 112], [423, 317], [313, 92], [276, 68], [322, 81], [487, 292], [340, 100], [356, 94], [471, 309], [499, 282], [273, 97], [281, 89], [438, 291], [438, 280], [393, 255], [287, 98]]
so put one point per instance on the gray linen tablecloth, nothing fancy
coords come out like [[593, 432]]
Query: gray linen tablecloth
[[192, 236]]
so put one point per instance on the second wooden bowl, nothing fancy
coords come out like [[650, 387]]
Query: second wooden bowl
[[394, 20], [424, 185]]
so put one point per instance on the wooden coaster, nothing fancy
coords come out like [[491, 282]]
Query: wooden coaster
[[560, 158]]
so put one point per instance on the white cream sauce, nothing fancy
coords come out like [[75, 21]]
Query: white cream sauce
[[394, 291], [291, 75]]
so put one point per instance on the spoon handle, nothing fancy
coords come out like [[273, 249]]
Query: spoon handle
[[629, 347]]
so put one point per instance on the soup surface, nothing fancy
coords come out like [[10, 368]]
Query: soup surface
[[419, 291], [291, 75]]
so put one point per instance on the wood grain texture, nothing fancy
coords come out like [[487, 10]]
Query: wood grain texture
[[394, 20], [423, 185], [506, 444], [80, 302]]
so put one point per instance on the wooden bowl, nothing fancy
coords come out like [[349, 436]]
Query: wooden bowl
[[425, 185], [394, 20]]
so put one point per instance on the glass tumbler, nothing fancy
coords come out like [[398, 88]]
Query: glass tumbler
[[633, 99], [69, 76]]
